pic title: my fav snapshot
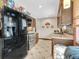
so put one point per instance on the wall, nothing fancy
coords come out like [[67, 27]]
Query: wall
[[45, 31]]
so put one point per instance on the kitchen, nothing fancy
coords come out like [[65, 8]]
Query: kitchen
[[49, 28]]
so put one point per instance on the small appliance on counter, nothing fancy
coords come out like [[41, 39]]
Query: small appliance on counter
[[57, 31]]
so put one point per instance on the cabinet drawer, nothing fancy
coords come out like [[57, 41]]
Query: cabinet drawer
[[62, 41]]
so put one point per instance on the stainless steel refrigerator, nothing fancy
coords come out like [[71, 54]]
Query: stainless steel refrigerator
[[13, 34]]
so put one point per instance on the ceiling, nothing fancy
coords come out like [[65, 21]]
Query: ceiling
[[40, 8]]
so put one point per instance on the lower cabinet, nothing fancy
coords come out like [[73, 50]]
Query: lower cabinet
[[1, 46], [31, 40]]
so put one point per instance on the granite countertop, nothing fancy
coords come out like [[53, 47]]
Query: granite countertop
[[58, 36]]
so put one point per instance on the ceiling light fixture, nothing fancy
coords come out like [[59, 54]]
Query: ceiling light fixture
[[40, 6]]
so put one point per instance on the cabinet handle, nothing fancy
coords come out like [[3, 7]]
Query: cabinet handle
[[0, 24]]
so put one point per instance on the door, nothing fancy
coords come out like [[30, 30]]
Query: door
[[76, 31]]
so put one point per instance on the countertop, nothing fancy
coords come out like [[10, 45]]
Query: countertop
[[58, 36]]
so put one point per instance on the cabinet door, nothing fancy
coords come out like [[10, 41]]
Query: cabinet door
[[76, 31], [77, 34]]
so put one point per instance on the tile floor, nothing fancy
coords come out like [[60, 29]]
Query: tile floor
[[42, 50]]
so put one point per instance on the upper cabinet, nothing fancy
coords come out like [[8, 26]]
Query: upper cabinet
[[65, 15], [67, 12], [76, 21], [76, 8]]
